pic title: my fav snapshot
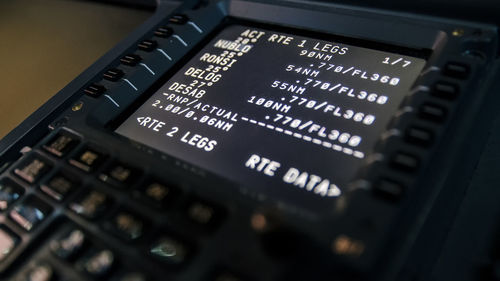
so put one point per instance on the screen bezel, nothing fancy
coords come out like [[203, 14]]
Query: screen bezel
[[113, 124]]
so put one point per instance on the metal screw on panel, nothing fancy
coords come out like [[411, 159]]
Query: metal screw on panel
[[458, 32], [77, 106]]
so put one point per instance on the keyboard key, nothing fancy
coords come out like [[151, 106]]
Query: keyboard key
[[204, 213], [9, 193], [170, 251], [119, 174], [61, 144], [32, 169], [95, 90], [131, 60], [126, 225], [41, 272], [178, 19], [456, 70], [164, 32], [98, 263], [445, 90], [91, 204], [8, 242], [147, 45], [68, 246], [113, 74], [87, 159], [157, 194], [30, 213], [404, 161], [59, 186], [419, 136], [432, 112], [388, 189]]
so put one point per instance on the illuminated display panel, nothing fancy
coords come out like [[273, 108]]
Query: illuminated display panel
[[289, 116]]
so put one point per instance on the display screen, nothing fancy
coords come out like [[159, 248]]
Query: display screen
[[287, 116]]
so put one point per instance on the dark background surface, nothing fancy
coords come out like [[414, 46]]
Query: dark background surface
[[44, 44]]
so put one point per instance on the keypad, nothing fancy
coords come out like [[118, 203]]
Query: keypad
[[68, 180]]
